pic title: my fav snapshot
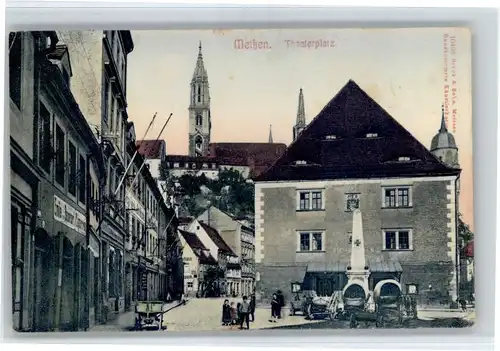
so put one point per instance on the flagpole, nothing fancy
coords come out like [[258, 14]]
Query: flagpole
[[135, 153], [144, 161]]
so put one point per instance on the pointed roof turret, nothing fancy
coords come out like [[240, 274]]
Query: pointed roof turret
[[270, 134], [301, 114], [443, 128], [200, 72], [443, 139]]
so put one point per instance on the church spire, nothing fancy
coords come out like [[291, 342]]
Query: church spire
[[443, 128], [270, 134], [200, 72], [301, 114], [300, 123]]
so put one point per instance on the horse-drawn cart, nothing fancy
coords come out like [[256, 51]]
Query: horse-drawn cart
[[149, 314]]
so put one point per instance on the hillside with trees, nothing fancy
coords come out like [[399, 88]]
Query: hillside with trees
[[230, 192]]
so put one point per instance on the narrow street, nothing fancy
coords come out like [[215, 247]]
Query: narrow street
[[205, 315]]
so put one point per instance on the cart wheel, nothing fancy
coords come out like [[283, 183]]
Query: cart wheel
[[352, 321]]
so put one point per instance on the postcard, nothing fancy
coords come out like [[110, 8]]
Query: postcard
[[227, 180]]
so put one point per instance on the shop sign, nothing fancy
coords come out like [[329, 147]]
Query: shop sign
[[69, 216]]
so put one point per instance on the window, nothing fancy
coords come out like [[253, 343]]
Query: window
[[72, 179], [45, 139], [199, 93], [176, 165], [199, 120], [331, 137], [349, 234], [60, 151], [301, 163], [310, 200], [106, 101], [403, 159], [190, 285], [400, 239], [82, 175], [15, 66], [351, 202], [310, 241], [397, 197], [371, 135]]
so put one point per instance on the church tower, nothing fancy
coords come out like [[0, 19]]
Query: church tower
[[200, 121], [300, 124], [443, 145], [270, 139]]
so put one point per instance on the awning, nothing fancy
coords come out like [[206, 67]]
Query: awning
[[385, 266], [341, 266], [320, 267]]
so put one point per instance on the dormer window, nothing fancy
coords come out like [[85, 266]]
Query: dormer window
[[404, 159], [372, 135], [205, 165], [186, 165], [193, 165], [176, 165], [330, 137]]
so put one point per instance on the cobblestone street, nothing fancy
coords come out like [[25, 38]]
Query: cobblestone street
[[205, 315]]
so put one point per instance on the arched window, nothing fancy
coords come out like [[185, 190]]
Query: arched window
[[199, 93], [199, 120], [198, 142]]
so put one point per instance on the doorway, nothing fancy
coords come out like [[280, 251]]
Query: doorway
[[43, 283]]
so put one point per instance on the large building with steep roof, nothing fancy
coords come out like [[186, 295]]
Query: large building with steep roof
[[353, 154]]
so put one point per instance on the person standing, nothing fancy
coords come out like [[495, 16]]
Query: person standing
[[226, 313], [274, 308], [252, 307], [281, 302], [244, 312]]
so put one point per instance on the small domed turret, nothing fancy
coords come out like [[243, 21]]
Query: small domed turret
[[443, 145]]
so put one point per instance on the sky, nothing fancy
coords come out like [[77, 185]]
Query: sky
[[404, 70]]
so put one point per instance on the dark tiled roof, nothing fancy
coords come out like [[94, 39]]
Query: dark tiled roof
[[192, 240], [185, 220], [258, 156], [205, 258], [348, 153], [468, 250], [151, 148], [217, 239], [58, 52]]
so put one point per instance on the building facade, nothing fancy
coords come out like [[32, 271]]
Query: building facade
[[196, 258], [218, 248], [345, 159], [99, 65], [55, 167], [241, 239]]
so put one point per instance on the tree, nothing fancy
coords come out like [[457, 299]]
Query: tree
[[464, 231], [211, 278], [164, 171]]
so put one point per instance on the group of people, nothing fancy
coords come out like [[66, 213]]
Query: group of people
[[244, 312], [240, 314]]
